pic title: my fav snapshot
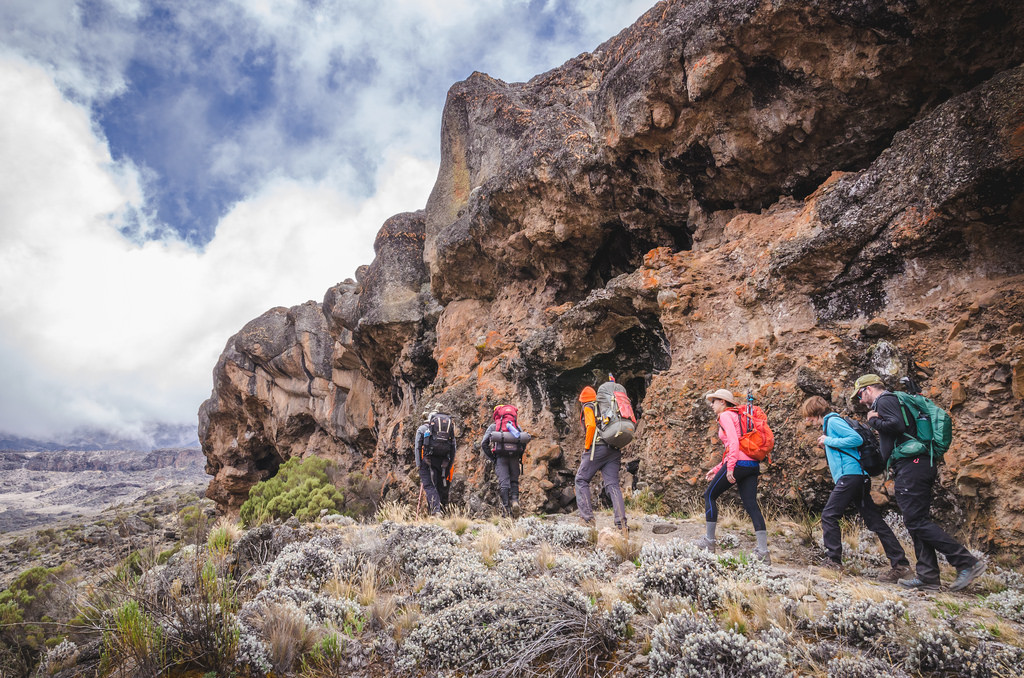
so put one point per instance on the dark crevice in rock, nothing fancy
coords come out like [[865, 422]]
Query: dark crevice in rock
[[766, 78], [639, 352]]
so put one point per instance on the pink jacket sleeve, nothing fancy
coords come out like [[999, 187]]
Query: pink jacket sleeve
[[729, 434]]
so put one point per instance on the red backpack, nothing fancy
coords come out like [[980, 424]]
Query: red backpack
[[756, 437], [505, 415]]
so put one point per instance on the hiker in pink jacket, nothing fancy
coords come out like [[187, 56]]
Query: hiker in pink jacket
[[736, 468]]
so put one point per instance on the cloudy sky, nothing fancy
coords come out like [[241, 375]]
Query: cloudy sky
[[171, 169]]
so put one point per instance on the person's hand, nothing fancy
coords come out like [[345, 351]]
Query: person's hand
[[730, 477], [710, 474], [872, 414], [821, 441]]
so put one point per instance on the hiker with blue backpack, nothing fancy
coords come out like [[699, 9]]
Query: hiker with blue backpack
[[851, 449], [504, 444], [913, 435]]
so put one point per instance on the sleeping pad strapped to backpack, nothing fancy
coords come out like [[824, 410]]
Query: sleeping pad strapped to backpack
[[507, 438]]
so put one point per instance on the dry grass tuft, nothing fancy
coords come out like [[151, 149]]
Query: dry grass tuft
[[396, 512], [488, 544], [405, 620], [508, 528], [731, 516], [368, 585], [659, 607], [457, 520], [545, 557], [624, 548], [382, 611], [864, 591], [288, 637]]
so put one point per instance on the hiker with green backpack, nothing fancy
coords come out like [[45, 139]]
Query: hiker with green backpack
[[850, 449], [914, 433]]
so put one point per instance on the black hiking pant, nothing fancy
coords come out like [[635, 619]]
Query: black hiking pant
[[507, 467], [746, 485], [856, 490], [434, 478], [914, 480]]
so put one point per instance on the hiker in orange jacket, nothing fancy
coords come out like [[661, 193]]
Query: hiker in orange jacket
[[597, 456]]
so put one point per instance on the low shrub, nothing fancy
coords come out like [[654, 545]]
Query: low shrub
[[301, 488], [693, 646]]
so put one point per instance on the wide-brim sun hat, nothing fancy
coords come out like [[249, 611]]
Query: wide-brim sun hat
[[865, 380], [722, 394]]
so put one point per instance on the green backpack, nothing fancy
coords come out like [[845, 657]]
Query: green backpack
[[934, 428]]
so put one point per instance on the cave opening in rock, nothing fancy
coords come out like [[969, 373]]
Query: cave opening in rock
[[622, 250], [639, 352]]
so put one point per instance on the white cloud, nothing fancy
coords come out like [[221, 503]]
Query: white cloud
[[102, 331]]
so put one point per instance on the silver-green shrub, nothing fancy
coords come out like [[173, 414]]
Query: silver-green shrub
[[688, 646], [861, 621]]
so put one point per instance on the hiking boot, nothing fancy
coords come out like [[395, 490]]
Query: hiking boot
[[706, 543], [965, 577], [916, 583], [515, 510], [895, 574], [591, 523], [763, 556], [829, 564]]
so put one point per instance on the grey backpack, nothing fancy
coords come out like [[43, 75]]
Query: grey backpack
[[616, 422]]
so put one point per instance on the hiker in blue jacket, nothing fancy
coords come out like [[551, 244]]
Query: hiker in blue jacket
[[852, 486]]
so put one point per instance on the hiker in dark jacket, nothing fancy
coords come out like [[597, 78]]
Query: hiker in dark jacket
[[505, 450], [915, 477], [852, 486], [435, 462]]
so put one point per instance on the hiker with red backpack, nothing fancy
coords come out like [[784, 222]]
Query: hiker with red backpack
[[435, 457], [748, 440], [913, 435], [608, 424], [850, 447], [504, 444]]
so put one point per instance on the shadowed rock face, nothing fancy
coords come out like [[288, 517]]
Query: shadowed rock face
[[724, 194]]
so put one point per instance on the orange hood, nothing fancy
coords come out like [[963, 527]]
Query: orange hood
[[588, 395]]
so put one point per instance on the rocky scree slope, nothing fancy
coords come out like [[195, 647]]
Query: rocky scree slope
[[773, 197]]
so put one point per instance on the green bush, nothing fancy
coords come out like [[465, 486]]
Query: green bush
[[26, 608], [301, 488]]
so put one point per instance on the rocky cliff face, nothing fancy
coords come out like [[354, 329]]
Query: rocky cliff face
[[770, 197]]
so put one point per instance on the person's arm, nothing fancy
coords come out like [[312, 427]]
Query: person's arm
[[485, 443], [417, 447], [840, 435], [590, 426], [730, 423], [890, 416]]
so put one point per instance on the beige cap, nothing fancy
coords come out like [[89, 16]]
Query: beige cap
[[722, 394], [866, 380]]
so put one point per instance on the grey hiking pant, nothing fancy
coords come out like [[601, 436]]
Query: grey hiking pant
[[607, 460], [506, 467]]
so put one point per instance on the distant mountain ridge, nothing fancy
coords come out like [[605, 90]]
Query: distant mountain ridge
[[154, 436]]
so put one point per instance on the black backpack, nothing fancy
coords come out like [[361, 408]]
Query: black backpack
[[442, 434], [870, 453]]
